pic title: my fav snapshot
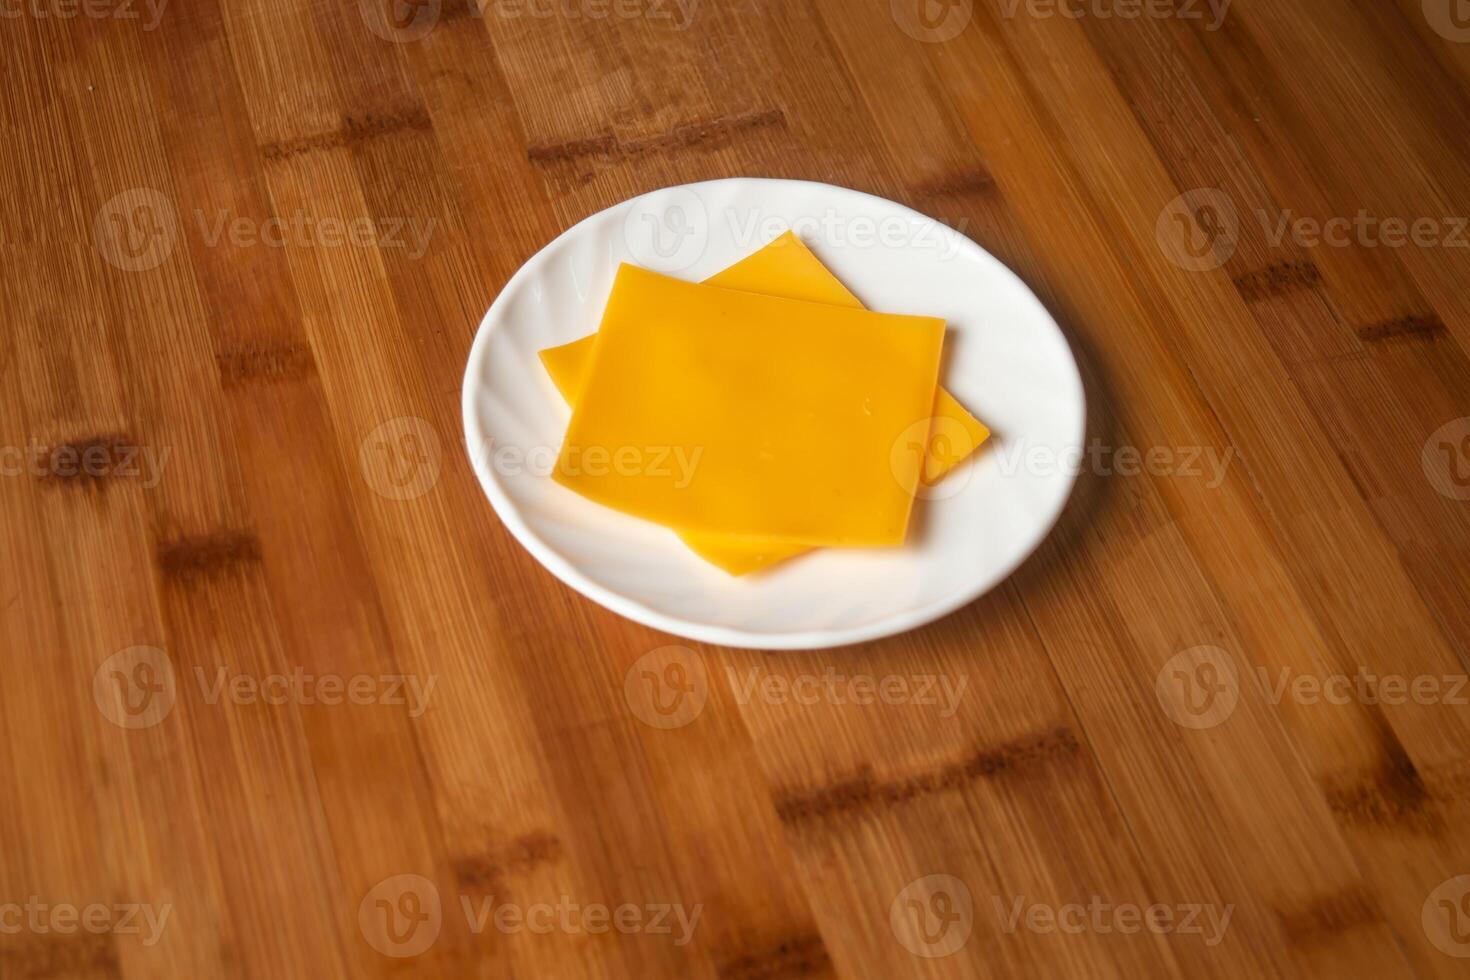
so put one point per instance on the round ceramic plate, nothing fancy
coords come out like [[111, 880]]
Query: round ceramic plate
[[1005, 359]]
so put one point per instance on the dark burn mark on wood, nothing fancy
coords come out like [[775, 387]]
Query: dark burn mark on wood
[[478, 872], [355, 129], [89, 461], [371, 125], [189, 559], [1278, 280], [1414, 326], [76, 954], [485, 871], [974, 180], [595, 146], [1394, 797], [1331, 916], [282, 362], [607, 148], [864, 790], [457, 10], [794, 958]]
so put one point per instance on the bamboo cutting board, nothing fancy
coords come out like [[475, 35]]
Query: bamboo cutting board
[[281, 697]]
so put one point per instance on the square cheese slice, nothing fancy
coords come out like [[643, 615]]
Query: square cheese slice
[[785, 267], [721, 411]]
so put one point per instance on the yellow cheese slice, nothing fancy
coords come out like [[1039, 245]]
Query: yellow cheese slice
[[785, 267], [718, 410], [954, 435]]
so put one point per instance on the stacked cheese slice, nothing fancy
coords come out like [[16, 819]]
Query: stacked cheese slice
[[760, 414]]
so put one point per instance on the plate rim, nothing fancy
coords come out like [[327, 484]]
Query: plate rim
[[569, 574]]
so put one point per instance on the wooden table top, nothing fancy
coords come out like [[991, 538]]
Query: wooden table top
[[282, 698]]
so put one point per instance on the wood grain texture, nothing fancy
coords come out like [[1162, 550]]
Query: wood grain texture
[[282, 698]]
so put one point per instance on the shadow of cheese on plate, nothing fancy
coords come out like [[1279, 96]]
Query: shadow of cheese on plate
[[785, 269]]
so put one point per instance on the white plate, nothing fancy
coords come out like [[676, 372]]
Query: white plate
[[1005, 359]]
